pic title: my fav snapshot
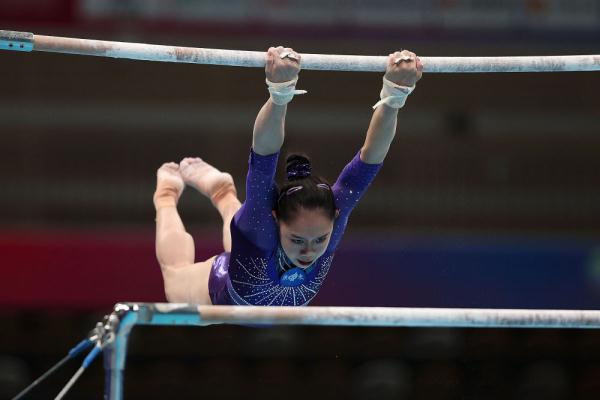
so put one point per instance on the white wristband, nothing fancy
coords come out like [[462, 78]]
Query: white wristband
[[393, 95], [283, 92]]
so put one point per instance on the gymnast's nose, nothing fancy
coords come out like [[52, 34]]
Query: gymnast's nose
[[307, 250]]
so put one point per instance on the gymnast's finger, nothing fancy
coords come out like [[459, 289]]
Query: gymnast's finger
[[269, 57], [419, 66]]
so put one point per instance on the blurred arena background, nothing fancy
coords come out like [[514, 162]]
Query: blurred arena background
[[490, 196]]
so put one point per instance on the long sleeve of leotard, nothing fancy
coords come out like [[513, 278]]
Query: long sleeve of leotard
[[350, 186], [254, 219]]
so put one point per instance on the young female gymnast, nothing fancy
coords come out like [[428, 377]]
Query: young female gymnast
[[279, 244]]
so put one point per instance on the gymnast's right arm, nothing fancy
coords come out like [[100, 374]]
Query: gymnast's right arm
[[254, 220], [281, 68]]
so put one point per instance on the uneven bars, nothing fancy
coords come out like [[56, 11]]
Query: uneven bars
[[25, 41]]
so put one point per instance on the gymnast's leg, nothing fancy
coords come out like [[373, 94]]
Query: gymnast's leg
[[185, 281], [217, 186]]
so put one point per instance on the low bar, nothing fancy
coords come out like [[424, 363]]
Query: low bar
[[323, 62], [127, 315], [175, 314]]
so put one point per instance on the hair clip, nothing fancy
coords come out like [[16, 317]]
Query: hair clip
[[291, 190]]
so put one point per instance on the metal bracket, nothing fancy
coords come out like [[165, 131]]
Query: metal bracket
[[17, 41]]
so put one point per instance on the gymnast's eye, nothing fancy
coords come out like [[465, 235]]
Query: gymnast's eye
[[322, 239], [297, 241]]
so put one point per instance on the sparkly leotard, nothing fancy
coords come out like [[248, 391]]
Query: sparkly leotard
[[251, 274]]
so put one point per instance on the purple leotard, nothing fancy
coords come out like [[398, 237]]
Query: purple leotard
[[249, 275]]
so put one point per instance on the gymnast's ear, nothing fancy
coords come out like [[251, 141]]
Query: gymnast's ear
[[274, 213], [337, 213]]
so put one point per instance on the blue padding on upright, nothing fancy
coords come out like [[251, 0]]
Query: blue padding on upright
[[90, 357], [83, 345]]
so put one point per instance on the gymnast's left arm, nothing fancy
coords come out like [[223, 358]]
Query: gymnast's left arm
[[403, 71]]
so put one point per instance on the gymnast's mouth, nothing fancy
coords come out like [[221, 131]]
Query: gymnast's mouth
[[304, 263]]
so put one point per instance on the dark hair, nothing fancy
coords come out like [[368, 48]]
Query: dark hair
[[303, 190]]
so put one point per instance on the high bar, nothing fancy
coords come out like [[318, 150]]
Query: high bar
[[25, 41]]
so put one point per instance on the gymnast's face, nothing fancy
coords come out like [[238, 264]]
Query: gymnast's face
[[305, 238]]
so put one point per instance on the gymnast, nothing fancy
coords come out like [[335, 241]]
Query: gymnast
[[278, 244]]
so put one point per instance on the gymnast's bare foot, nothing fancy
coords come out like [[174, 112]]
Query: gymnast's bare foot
[[169, 185], [205, 178]]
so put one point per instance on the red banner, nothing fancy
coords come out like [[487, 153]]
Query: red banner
[[75, 270]]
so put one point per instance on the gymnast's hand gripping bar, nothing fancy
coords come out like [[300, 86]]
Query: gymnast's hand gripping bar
[[24, 41]]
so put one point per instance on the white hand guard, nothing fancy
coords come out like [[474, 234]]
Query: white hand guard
[[282, 93], [393, 95]]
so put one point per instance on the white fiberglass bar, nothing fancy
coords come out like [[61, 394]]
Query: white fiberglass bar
[[24, 41], [401, 317]]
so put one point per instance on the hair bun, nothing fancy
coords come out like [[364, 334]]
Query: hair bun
[[297, 167]]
